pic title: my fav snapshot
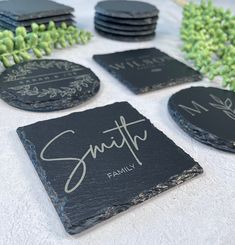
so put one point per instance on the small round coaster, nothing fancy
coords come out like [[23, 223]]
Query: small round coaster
[[126, 38], [124, 33], [126, 9], [124, 27], [139, 22], [47, 85], [206, 114]]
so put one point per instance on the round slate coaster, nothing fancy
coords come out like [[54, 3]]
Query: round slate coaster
[[143, 21], [206, 114], [126, 9], [47, 85], [124, 27], [124, 33], [126, 38]]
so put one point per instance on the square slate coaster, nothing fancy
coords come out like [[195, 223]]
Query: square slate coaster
[[144, 70], [100, 162], [28, 9]]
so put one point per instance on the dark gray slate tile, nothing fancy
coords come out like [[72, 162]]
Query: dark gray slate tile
[[66, 17], [29, 9], [143, 21], [126, 9], [100, 162], [144, 70], [206, 114], [47, 85]]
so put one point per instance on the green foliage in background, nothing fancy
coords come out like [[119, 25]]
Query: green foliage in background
[[208, 33], [22, 45]]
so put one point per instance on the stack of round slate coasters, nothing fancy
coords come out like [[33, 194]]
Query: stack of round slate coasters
[[131, 21], [25, 12]]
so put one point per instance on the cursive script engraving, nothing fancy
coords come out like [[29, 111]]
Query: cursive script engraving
[[225, 106], [194, 110], [127, 140]]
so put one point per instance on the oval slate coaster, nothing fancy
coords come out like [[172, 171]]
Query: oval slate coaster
[[206, 114], [144, 21], [126, 9], [100, 162], [126, 38], [124, 27], [47, 85], [126, 32]]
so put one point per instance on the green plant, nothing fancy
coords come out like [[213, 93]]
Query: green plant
[[21, 45], [208, 33]]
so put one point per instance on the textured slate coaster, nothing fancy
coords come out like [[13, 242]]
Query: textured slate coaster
[[143, 21], [28, 9], [125, 38], [100, 162], [206, 114], [125, 32], [47, 85], [126, 9], [124, 27], [66, 17], [143, 70]]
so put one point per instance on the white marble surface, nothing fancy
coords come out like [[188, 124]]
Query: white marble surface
[[201, 211]]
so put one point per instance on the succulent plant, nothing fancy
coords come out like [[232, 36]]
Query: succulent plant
[[208, 33], [22, 45]]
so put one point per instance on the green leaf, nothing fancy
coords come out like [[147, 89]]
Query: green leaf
[[37, 53], [21, 31], [16, 58], [19, 42], [5, 61], [9, 44], [35, 27], [25, 56]]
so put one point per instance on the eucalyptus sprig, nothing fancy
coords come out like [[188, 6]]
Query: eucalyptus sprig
[[22, 45], [208, 33]]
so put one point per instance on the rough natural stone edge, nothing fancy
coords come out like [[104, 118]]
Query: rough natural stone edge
[[143, 196], [58, 203], [191, 78], [109, 212], [197, 133], [51, 105]]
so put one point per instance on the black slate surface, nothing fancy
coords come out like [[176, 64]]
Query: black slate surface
[[144, 70], [125, 33], [143, 21], [126, 9], [125, 38], [124, 27], [29, 9], [100, 162], [206, 114], [47, 85]]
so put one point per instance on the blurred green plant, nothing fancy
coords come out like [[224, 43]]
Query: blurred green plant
[[208, 33], [22, 45]]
